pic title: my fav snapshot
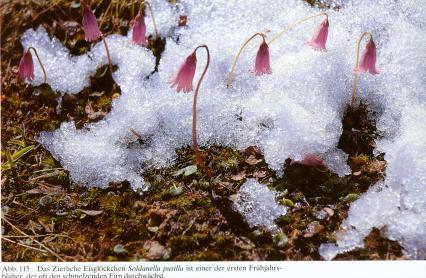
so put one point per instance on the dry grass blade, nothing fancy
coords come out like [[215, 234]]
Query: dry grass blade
[[33, 239]]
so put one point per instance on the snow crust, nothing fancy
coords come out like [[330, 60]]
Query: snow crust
[[295, 111], [256, 202]]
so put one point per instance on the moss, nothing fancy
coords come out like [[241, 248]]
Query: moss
[[110, 203], [287, 202], [186, 202], [79, 111], [231, 163], [104, 103], [188, 242], [286, 219]]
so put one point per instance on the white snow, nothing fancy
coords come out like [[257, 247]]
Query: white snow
[[256, 202], [296, 110]]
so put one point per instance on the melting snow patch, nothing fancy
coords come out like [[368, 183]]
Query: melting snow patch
[[295, 111], [397, 206], [256, 202]]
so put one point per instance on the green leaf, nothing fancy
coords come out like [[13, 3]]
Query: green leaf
[[9, 158], [21, 153], [187, 171], [287, 202], [190, 170]]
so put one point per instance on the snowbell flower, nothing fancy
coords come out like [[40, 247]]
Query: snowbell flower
[[367, 63], [319, 37], [262, 64], [182, 80], [90, 24], [139, 27], [368, 59], [26, 67], [139, 30], [309, 160]]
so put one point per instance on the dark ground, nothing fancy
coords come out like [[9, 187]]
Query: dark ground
[[45, 216]]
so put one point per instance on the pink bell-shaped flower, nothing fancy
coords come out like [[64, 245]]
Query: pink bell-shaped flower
[[182, 80], [310, 160], [139, 30], [368, 59], [26, 67], [262, 64], [90, 24], [319, 37]]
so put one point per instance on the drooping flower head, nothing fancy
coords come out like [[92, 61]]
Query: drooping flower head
[[90, 24], [262, 64], [182, 80], [368, 59], [309, 160], [26, 66], [319, 37], [139, 30]]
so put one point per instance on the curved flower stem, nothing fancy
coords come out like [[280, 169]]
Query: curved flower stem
[[198, 157], [39, 61], [356, 66], [288, 28], [263, 35], [108, 55], [152, 15]]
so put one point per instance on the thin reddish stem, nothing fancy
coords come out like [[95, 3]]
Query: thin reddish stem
[[198, 156], [229, 81], [39, 61], [152, 15], [356, 67], [108, 55]]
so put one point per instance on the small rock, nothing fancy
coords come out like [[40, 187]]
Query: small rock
[[313, 228], [329, 211], [187, 171], [357, 173], [45, 200], [232, 197], [119, 248], [75, 5], [240, 176], [153, 229], [175, 190], [71, 27], [252, 160], [320, 214], [259, 174], [155, 251], [4, 210]]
